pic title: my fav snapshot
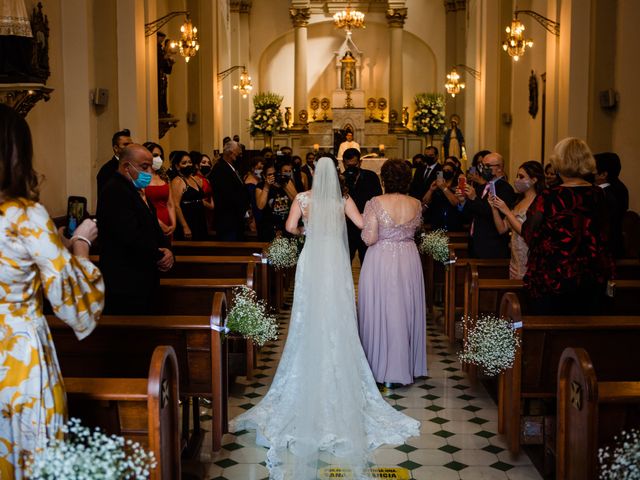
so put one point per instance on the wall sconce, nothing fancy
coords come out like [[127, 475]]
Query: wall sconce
[[515, 44], [244, 87], [454, 86], [188, 44]]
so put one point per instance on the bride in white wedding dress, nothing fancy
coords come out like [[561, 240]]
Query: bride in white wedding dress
[[323, 404]]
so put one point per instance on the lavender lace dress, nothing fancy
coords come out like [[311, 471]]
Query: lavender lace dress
[[391, 301]]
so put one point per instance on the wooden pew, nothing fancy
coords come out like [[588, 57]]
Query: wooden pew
[[144, 410], [208, 248], [453, 285], [274, 282], [590, 413], [250, 267], [543, 339], [122, 346]]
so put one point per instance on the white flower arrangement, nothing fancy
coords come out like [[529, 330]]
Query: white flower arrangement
[[267, 117], [429, 118], [248, 317], [623, 461], [282, 252], [436, 244], [90, 455], [490, 344]]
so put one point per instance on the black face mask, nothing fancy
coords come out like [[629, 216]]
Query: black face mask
[[186, 171], [430, 160], [487, 173], [205, 170], [447, 174], [351, 170]]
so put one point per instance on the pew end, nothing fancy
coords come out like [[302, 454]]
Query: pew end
[[144, 410]]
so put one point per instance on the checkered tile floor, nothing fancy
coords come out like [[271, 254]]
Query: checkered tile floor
[[458, 439]]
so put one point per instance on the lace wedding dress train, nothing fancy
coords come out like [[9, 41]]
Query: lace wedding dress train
[[323, 404]]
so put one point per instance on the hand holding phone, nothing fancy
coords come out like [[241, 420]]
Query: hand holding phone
[[462, 183], [492, 189], [439, 175], [76, 213]]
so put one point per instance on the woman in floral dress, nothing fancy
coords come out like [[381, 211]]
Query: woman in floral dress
[[33, 259]]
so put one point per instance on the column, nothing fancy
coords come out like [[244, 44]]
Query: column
[[395, 19], [79, 121], [132, 81], [239, 18], [300, 20]]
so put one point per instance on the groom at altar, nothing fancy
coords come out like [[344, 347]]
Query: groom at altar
[[363, 185]]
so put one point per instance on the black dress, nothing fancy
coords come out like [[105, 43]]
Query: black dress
[[193, 212]]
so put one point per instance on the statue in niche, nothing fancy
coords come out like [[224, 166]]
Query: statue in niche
[[165, 65], [348, 71], [533, 95]]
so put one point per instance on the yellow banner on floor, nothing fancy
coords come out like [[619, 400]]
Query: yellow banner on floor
[[395, 473]]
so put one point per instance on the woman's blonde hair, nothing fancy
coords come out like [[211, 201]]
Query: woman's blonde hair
[[572, 158]]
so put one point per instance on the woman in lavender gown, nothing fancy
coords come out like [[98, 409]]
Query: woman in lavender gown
[[391, 301]]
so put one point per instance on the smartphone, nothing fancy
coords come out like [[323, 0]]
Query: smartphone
[[492, 189], [76, 213], [439, 175], [462, 183], [472, 171]]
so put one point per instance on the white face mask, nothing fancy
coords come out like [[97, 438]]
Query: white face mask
[[157, 163]]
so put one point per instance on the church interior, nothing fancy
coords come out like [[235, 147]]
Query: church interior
[[186, 74]]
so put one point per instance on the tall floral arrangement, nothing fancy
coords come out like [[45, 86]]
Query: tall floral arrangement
[[429, 116], [267, 117]]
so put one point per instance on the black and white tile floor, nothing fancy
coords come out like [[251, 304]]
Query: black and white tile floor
[[458, 438]]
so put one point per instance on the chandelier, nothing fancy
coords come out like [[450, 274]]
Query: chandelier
[[349, 19], [188, 44], [515, 44], [245, 86], [453, 85]]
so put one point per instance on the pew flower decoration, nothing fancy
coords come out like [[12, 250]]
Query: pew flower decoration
[[623, 460], [283, 252], [249, 317], [435, 244], [90, 454], [491, 344], [429, 115], [267, 117]]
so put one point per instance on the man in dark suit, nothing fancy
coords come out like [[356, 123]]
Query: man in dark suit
[[616, 195], [309, 167], [230, 198], [363, 185], [118, 142], [425, 174], [133, 249], [485, 240]]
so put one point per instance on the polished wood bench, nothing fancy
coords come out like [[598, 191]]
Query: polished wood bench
[[122, 346], [611, 340], [590, 413], [144, 410]]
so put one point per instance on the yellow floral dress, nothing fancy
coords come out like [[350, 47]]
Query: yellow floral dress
[[32, 258]]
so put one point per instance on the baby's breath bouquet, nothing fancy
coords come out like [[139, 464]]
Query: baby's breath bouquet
[[491, 344], [86, 454], [428, 118], [283, 252], [267, 117], [623, 461], [436, 244], [248, 317]]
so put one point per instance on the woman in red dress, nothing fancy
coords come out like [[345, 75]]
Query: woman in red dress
[[159, 191]]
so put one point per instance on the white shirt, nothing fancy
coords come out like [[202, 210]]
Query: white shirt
[[345, 146]]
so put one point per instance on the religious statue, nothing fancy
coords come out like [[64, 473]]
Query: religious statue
[[165, 65], [348, 72], [453, 141]]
